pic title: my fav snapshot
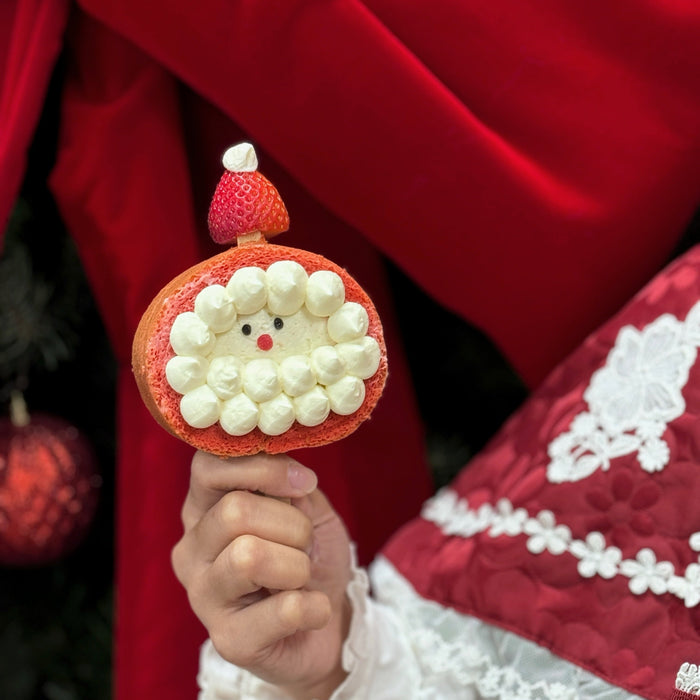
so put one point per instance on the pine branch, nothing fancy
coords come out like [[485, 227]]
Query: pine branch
[[38, 319]]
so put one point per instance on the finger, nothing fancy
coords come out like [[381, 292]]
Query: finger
[[246, 637], [274, 475], [316, 507], [239, 513], [249, 564]]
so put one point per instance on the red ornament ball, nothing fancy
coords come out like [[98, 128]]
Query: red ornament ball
[[49, 488]]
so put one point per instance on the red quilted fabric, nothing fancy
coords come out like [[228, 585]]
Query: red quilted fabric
[[628, 610]]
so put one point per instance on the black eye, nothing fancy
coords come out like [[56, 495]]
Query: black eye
[[246, 329], [279, 323]]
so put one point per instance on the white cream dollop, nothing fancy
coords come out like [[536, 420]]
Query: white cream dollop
[[240, 158], [286, 287], [276, 415], [239, 415], [225, 376], [326, 364], [200, 407], [186, 373], [349, 322], [360, 357], [190, 335], [215, 307], [313, 407], [258, 353], [346, 395], [296, 375], [248, 288], [325, 292], [261, 380]]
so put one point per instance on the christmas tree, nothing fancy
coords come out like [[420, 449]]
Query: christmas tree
[[56, 519]]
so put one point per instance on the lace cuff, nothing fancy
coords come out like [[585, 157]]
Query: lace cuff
[[376, 655], [220, 680]]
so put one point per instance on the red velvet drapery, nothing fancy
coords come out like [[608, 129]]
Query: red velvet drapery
[[529, 164]]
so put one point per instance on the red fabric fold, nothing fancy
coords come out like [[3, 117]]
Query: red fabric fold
[[31, 37], [510, 158], [124, 182]]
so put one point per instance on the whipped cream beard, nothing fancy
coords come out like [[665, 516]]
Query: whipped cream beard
[[270, 348]]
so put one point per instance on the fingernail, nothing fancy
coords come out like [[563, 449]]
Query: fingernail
[[301, 478]]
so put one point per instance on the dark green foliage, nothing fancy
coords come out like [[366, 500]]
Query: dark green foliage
[[56, 620]]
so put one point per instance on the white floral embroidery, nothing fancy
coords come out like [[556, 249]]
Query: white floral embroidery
[[630, 400], [545, 534], [507, 521], [687, 587], [645, 573], [688, 678], [595, 558]]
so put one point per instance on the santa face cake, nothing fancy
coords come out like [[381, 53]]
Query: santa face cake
[[263, 347]]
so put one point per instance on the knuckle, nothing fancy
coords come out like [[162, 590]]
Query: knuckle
[[291, 610], [246, 554], [199, 469], [177, 561], [235, 510]]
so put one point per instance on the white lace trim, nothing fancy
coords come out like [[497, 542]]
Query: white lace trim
[[688, 679], [405, 646], [220, 680], [631, 400], [458, 652], [595, 558]]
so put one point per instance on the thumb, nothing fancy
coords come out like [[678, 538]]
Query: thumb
[[316, 507]]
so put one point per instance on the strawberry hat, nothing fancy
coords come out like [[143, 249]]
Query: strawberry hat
[[245, 201]]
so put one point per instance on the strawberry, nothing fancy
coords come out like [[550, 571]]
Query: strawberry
[[245, 201]]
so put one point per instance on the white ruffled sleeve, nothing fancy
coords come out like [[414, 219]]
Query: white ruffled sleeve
[[376, 655]]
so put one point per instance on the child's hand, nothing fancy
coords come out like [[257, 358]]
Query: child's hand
[[267, 578]]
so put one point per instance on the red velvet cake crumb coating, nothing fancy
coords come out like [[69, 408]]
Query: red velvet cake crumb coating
[[152, 350]]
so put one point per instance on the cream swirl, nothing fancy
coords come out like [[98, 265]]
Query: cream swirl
[[270, 348]]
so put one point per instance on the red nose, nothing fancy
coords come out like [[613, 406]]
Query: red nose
[[264, 341]]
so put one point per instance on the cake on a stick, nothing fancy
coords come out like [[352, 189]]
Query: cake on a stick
[[262, 348]]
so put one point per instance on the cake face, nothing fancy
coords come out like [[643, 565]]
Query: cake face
[[262, 348], [270, 348]]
